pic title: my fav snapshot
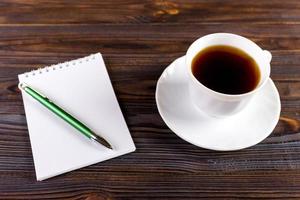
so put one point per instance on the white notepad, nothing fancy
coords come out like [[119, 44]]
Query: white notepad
[[82, 87]]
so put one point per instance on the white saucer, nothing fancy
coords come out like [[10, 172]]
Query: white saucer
[[245, 129]]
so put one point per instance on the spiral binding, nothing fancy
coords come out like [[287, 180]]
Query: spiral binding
[[59, 66]]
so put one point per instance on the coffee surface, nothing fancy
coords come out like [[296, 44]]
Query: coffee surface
[[226, 69]]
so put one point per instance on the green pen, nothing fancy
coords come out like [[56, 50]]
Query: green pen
[[64, 115]]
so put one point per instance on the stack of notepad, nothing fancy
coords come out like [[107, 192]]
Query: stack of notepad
[[83, 88]]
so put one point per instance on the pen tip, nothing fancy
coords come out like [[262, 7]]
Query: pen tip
[[102, 141]]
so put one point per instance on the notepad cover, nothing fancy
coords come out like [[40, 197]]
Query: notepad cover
[[83, 88]]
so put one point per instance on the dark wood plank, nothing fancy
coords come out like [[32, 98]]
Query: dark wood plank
[[138, 40], [148, 11]]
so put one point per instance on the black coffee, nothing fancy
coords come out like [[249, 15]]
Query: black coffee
[[226, 69]]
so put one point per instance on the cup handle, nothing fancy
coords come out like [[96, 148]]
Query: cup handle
[[267, 55]]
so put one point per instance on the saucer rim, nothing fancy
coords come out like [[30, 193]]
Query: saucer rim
[[176, 132]]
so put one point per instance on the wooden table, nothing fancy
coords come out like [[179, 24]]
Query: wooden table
[[138, 39]]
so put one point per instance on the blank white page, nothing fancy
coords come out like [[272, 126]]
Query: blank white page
[[81, 87]]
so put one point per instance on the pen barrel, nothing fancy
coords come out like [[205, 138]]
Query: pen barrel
[[60, 112]]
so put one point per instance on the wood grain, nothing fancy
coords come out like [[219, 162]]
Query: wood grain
[[138, 39], [147, 11]]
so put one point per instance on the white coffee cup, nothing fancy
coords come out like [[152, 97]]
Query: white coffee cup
[[218, 104]]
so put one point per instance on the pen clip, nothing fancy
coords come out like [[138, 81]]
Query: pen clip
[[23, 86]]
